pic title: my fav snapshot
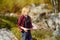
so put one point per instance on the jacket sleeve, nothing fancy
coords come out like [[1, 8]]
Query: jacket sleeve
[[19, 21]]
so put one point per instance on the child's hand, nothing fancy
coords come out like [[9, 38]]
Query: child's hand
[[25, 29], [34, 28]]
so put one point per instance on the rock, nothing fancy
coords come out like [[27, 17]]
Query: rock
[[7, 35]]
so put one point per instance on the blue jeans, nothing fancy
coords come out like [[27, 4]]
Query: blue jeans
[[26, 36]]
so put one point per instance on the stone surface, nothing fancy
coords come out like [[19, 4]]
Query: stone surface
[[45, 21], [6, 35]]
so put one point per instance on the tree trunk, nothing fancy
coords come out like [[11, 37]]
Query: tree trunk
[[55, 6]]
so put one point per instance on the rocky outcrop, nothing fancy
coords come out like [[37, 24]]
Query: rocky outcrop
[[7, 35]]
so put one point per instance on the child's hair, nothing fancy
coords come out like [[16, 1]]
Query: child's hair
[[26, 7]]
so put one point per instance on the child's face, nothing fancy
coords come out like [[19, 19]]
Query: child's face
[[25, 11]]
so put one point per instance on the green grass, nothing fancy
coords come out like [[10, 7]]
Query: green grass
[[16, 32], [37, 34], [57, 37]]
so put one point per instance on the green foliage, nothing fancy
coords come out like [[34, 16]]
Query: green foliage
[[8, 22], [16, 32], [37, 2], [9, 5], [58, 37], [10, 18], [37, 34], [58, 5], [41, 34], [1, 1], [4, 25]]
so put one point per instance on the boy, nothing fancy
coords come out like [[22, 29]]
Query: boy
[[24, 24]]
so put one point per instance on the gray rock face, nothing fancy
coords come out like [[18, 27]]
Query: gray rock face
[[49, 22], [6, 35]]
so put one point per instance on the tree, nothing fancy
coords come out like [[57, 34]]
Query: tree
[[55, 5], [58, 5]]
